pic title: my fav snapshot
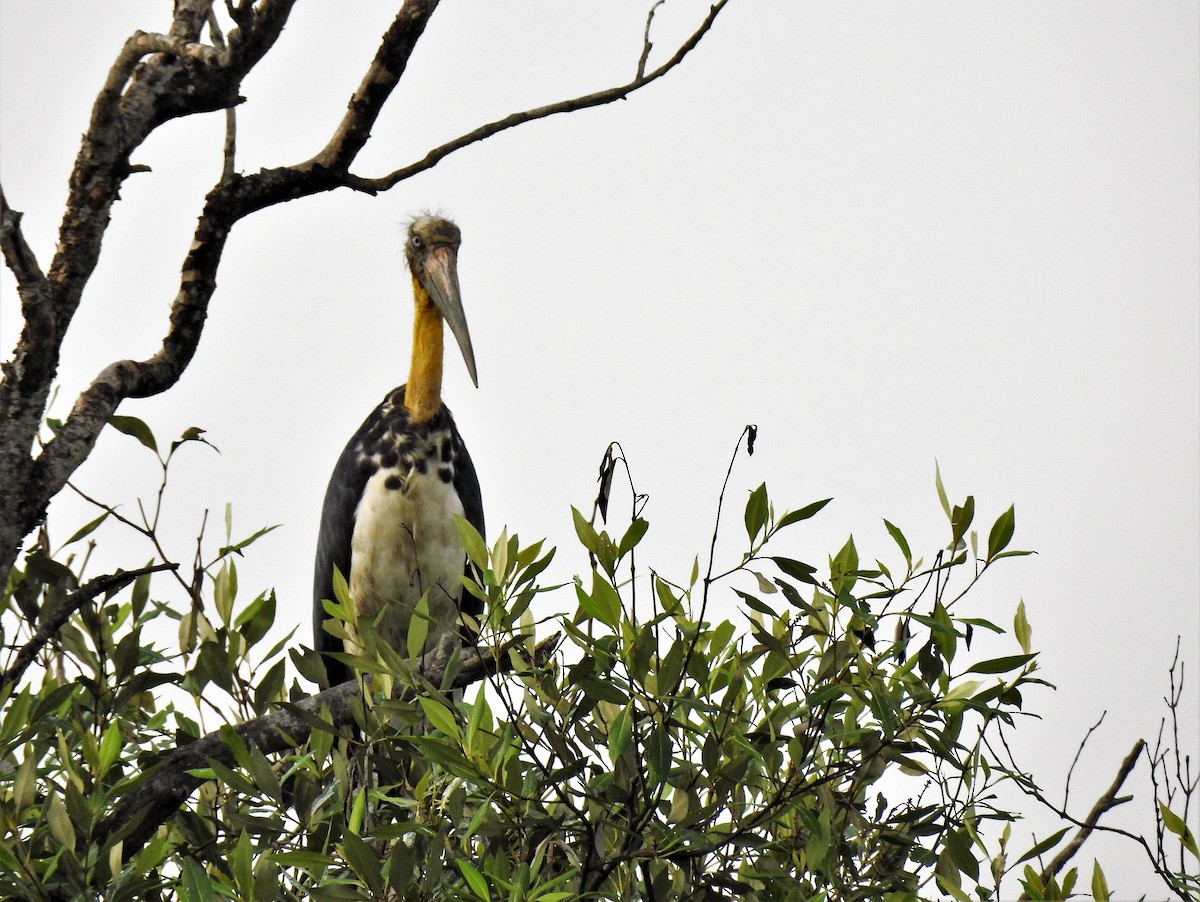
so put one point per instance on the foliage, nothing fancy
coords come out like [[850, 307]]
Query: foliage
[[832, 740]]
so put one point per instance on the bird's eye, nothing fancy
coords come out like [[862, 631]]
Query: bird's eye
[[416, 241]]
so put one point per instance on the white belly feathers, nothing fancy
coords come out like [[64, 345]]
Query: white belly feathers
[[406, 542]]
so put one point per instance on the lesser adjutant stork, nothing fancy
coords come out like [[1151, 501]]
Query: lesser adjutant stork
[[388, 520]]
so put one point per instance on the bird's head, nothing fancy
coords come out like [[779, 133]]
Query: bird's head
[[432, 251]]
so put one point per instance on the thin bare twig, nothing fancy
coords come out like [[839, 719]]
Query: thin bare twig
[[646, 44], [1078, 753], [229, 149]]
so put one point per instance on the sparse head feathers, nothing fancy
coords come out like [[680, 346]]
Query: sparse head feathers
[[427, 231]]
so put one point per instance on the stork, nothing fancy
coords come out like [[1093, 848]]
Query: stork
[[388, 519]]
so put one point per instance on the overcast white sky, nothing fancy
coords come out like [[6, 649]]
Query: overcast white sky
[[885, 234]]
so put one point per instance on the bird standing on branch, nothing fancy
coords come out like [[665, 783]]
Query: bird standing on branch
[[388, 522]]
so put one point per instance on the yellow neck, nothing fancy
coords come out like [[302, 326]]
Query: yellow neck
[[423, 396]]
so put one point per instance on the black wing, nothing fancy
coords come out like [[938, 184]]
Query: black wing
[[466, 484], [345, 489]]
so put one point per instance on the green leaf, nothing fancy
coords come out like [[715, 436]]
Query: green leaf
[[264, 776], [59, 821], [472, 542], [1002, 532], [1068, 883], [500, 556], [225, 591], [136, 428], [961, 519], [898, 537], [362, 859], [658, 755], [958, 844], [843, 570], [1176, 825], [606, 601], [87, 529], [941, 489], [1100, 891], [474, 879], [632, 536], [475, 720], [258, 617], [237, 547], [242, 861], [1044, 846], [110, 748], [440, 716], [601, 690], [756, 511], [945, 639], [796, 569], [1032, 883], [418, 627], [1021, 627], [619, 734], [196, 885], [586, 532], [803, 513], [756, 604], [1001, 665]]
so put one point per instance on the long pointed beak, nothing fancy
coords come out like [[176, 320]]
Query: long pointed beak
[[440, 279]]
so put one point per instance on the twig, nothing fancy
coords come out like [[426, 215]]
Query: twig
[[1078, 752], [229, 149], [53, 622], [646, 45], [599, 98]]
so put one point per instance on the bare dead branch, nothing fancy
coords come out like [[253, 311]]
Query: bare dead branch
[[229, 149], [1105, 803], [189, 18], [161, 790], [53, 622], [18, 256], [377, 85], [141, 44], [646, 44], [599, 98]]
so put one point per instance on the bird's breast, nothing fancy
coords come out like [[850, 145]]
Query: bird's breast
[[406, 543]]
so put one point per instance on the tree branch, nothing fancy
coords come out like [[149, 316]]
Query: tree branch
[[49, 625], [26, 378], [377, 85], [158, 792], [17, 253], [599, 98], [1105, 803]]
